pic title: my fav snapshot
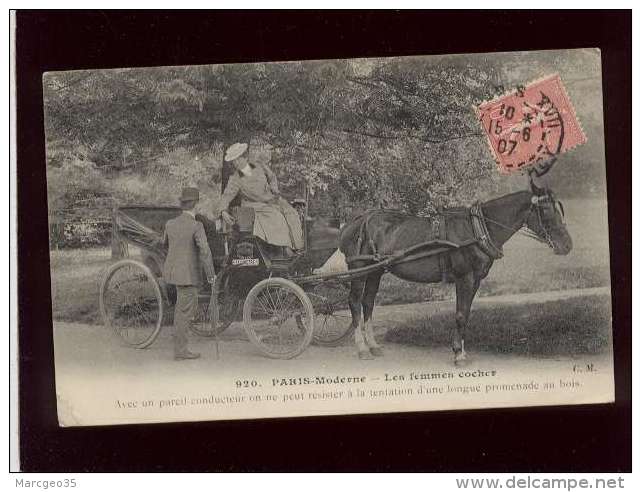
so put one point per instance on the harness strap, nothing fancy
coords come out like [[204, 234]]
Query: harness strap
[[353, 259], [444, 261], [481, 233], [439, 226], [394, 257]]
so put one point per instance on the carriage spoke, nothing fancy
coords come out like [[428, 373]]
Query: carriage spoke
[[268, 290], [272, 314], [263, 311], [265, 308], [131, 303], [291, 303], [334, 323], [266, 297], [278, 296]]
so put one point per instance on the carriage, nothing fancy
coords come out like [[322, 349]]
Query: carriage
[[283, 305], [255, 282]]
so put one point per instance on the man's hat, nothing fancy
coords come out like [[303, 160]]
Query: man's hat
[[235, 151], [190, 195]]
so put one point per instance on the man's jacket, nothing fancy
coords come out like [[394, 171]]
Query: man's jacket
[[188, 250]]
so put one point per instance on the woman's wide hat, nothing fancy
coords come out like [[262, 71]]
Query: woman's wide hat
[[235, 151]]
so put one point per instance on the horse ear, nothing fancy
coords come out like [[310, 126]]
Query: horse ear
[[536, 173], [536, 190]]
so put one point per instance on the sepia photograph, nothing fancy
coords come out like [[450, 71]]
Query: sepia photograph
[[343, 236]]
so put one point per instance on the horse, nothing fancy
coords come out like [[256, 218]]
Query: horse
[[480, 231]]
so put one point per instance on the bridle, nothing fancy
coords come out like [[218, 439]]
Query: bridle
[[525, 230], [537, 171]]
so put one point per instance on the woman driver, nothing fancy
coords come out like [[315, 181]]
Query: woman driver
[[276, 220]]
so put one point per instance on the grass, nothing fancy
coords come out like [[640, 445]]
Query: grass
[[75, 283], [575, 326], [527, 267], [396, 291]]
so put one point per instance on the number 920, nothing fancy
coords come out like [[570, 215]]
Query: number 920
[[246, 383]]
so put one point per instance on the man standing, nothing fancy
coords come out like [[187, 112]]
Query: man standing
[[188, 250]]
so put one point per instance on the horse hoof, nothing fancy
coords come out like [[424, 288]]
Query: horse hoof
[[365, 355], [376, 351], [460, 361]]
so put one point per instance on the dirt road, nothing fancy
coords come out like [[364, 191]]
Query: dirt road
[[96, 346], [97, 377]]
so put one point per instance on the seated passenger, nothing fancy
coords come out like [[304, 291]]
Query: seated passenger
[[276, 220]]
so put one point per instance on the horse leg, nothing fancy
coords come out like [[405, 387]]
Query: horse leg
[[371, 289], [356, 306], [466, 287]]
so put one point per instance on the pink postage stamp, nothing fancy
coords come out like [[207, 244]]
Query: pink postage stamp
[[531, 124]]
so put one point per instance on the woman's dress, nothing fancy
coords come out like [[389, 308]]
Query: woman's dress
[[276, 220]]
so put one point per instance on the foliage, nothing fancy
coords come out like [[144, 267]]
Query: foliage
[[394, 132], [86, 233]]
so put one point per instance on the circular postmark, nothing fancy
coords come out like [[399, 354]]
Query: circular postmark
[[528, 126]]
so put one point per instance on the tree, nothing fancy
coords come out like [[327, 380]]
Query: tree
[[395, 132]]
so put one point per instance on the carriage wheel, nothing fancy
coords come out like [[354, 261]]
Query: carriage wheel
[[333, 321], [131, 303], [218, 313], [215, 315], [273, 314]]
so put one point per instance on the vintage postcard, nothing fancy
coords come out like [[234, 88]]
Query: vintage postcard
[[328, 237]]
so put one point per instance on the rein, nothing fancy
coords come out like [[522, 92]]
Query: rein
[[524, 230]]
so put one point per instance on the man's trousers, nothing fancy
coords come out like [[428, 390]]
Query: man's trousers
[[184, 314]]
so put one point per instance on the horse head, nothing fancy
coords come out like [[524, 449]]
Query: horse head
[[547, 220]]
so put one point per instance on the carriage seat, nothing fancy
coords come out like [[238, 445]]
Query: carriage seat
[[245, 217]]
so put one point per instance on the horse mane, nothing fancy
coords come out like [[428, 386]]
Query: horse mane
[[503, 197]]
